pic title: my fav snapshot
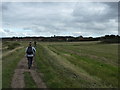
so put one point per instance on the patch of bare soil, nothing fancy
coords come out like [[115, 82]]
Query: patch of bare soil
[[18, 77]]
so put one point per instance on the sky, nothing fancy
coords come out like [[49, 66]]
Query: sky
[[59, 18]]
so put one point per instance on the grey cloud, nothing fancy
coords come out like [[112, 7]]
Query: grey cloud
[[95, 12], [60, 18], [6, 30]]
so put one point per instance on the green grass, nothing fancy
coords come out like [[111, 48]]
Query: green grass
[[13, 45], [101, 51], [10, 45], [80, 65], [58, 74], [0, 74], [68, 65], [29, 82], [9, 63], [93, 66], [0, 64]]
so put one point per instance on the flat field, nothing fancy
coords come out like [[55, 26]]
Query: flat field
[[69, 64]]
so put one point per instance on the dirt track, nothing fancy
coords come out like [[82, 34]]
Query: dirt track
[[18, 77]]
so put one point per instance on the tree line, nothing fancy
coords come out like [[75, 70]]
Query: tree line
[[104, 39]]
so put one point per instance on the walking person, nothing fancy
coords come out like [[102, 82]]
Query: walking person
[[30, 53], [35, 43]]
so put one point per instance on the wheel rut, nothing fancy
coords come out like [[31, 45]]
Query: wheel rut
[[18, 77]]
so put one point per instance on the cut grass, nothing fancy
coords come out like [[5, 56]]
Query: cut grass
[[63, 67], [107, 73], [105, 52], [29, 82], [59, 73]]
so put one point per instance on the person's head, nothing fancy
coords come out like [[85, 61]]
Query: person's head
[[30, 43]]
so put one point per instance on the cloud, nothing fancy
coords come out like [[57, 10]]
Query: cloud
[[9, 33], [6, 30], [46, 19], [95, 12]]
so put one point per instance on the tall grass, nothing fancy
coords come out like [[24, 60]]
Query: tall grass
[[13, 45]]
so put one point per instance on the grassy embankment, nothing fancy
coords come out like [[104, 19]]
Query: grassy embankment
[[76, 65]]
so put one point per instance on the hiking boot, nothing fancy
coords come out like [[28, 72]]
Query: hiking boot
[[28, 67]]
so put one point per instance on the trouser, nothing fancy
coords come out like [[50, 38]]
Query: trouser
[[30, 59]]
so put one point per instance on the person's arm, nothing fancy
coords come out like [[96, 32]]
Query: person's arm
[[34, 49], [26, 51]]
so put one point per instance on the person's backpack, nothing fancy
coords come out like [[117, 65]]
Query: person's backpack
[[29, 50]]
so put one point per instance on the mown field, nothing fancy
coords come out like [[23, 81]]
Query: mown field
[[68, 64]]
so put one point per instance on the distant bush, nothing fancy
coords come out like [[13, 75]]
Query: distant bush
[[16, 44], [5, 43], [110, 39], [13, 45]]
